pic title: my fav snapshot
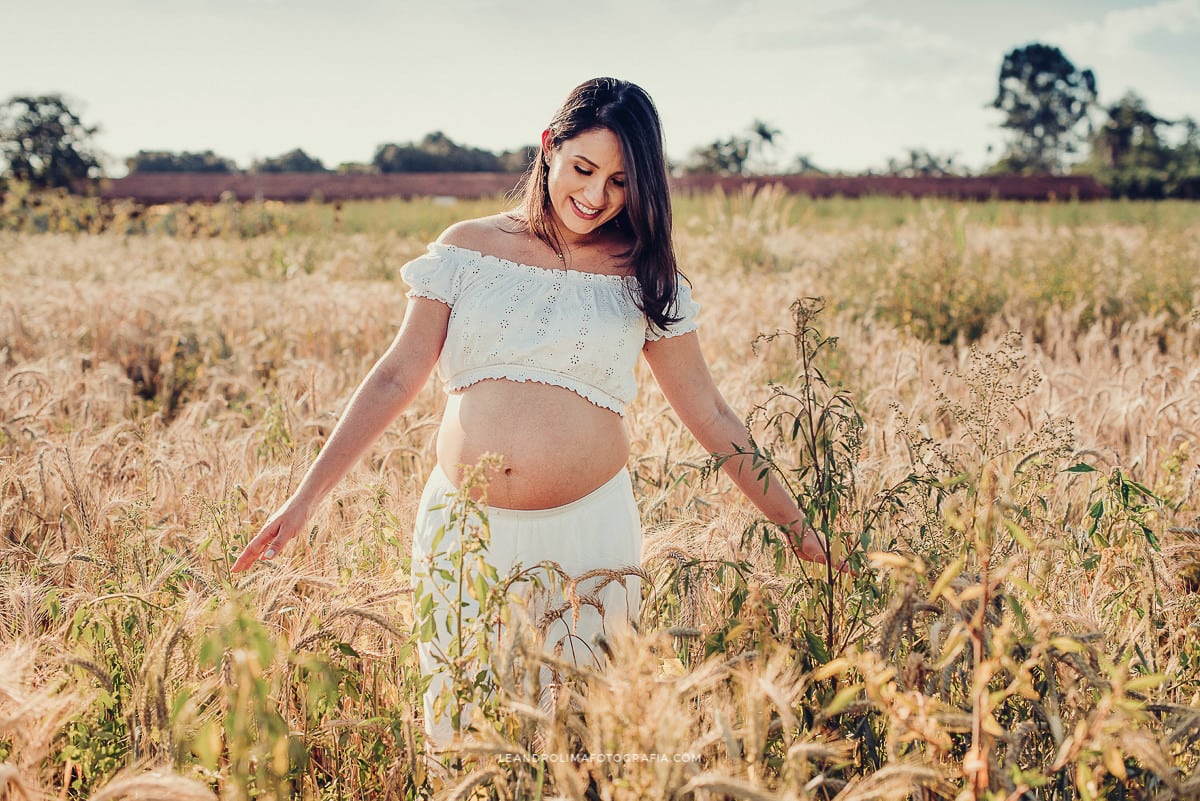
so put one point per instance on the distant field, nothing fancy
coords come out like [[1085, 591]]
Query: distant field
[[1004, 435], [301, 187]]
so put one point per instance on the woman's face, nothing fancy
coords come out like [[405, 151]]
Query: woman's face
[[586, 181]]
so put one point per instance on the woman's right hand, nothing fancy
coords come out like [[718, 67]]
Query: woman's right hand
[[282, 526], [387, 390]]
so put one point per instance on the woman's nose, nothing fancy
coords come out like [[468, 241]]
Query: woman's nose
[[593, 194]]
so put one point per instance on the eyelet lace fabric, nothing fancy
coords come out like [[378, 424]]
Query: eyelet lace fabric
[[572, 329]]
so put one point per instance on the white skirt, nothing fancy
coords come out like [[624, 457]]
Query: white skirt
[[601, 530]]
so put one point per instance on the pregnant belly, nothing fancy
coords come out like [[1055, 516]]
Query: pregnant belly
[[554, 446]]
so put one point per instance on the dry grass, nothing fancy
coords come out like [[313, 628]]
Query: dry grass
[[1030, 630]]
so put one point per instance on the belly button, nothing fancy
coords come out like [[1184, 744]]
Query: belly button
[[508, 471]]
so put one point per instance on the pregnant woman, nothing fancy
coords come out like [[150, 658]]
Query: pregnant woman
[[535, 320]]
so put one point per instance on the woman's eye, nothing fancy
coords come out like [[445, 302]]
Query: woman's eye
[[582, 171], [619, 182]]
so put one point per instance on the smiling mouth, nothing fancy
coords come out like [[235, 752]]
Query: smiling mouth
[[586, 212]]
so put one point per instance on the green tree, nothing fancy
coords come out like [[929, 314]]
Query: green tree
[[740, 154], [1046, 101], [720, 157], [803, 164], [292, 161], [1130, 135], [922, 163], [439, 153], [168, 161], [356, 168], [518, 160], [1132, 153], [764, 147], [1185, 178], [46, 144]]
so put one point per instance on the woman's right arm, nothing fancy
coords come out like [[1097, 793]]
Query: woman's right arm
[[387, 390]]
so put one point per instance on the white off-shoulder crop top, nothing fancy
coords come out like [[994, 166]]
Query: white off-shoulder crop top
[[578, 330]]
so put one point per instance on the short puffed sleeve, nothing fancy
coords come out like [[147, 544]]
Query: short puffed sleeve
[[433, 275], [684, 308]]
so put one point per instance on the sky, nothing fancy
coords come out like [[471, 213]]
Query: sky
[[849, 83]]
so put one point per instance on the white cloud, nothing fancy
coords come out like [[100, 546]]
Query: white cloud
[[1122, 30]]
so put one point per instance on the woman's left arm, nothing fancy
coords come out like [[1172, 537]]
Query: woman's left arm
[[682, 373]]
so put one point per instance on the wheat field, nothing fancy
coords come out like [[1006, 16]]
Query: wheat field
[[992, 408]]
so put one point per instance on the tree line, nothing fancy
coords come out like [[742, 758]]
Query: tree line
[[1050, 109], [436, 152]]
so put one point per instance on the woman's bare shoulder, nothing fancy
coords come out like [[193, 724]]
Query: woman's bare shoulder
[[482, 234]]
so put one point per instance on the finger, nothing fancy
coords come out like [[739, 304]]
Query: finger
[[256, 553], [256, 548], [274, 545], [247, 558], [243, 561]]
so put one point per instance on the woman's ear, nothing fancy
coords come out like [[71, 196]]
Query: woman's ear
[[547, 144]]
